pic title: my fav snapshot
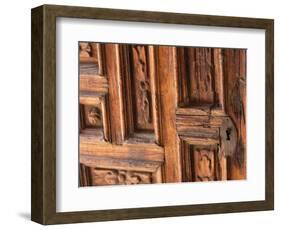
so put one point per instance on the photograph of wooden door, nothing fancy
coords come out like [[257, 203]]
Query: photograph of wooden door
[[161, 114]]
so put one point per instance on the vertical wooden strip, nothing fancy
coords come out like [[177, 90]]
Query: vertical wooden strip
[[106, 118], [221, 165], [193, 90], [101, 59], [187, 167], [157, 176], [206, 76], [115, 93], [269, 116], [84, 175], [235, 85], [81, 117], [127, 90], [155, 95], [243, 95], [81, 176], [167, 73], [37, 112], [182, 81], [49, 116], [219, 80]]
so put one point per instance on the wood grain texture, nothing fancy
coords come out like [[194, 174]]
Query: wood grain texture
[[235, 74], [93, 83], [204, 163], [92, 60], [127, 72], [142, 152], [44, 116], [141, 87], [43, 112], [181, 98], [167, 72], [115, 92], [37, 155], [196, 95], [200, 79], [104, 176], [138, 94], [155, 96]]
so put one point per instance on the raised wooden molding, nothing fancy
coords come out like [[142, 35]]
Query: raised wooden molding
[[173, 106]]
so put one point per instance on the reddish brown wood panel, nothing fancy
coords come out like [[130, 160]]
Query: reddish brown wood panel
[[141, 87], [159, 114], [235, 96]]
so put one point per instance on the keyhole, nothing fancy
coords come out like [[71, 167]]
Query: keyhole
[[228, 132]]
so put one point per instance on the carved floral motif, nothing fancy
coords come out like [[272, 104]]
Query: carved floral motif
[[94, 116], [204, 162], [142, 86], [116, 176]]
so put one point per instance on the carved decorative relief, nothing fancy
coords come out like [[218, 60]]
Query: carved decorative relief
[[235, 98], [204, 164], [103, 176], [94, 116], [142, 62], [140, 99], [145, 104], [90, 62], [87, 49], [236, 101], [238, 107], [217, 138], [189, 104], [141, 88], [201, 78]]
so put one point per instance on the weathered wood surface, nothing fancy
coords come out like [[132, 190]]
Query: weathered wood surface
[[159, 114]]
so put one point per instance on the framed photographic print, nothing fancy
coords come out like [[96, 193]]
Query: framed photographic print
[[139, 114]]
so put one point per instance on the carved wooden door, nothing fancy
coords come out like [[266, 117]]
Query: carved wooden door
[[159, 114]]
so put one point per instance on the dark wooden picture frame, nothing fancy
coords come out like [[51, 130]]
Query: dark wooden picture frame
[[43, 170]]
